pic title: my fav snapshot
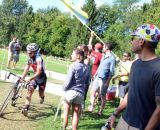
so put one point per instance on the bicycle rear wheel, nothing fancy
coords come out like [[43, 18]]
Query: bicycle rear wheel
[[7, 100]]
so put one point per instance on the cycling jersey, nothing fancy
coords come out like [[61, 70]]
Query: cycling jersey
[[32, 62]]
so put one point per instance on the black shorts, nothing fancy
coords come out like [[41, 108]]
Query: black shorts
[[40, 82]]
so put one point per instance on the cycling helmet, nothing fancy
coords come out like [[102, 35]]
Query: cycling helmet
[[147, 32], [32, 47]]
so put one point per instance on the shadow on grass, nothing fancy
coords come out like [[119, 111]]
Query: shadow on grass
[[36, 112]]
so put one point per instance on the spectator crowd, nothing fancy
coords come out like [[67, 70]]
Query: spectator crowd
[[95, 67]]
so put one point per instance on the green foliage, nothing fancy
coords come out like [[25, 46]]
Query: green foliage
[[118, 35], [58, 33], [79, 33]]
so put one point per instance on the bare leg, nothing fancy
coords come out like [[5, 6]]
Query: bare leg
[[75, 120], [92, 98], [29, 95], [28, 101], [14, 64], [9, 63], [66, 114], [103, 103], [41, 95]]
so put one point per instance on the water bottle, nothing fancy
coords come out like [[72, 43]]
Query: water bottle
[[107, 126]]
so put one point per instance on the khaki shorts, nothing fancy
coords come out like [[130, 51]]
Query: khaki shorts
[[72, 96], [99, 84], [123, 125]]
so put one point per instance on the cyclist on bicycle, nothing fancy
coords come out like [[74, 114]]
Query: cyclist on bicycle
[[38, 79]]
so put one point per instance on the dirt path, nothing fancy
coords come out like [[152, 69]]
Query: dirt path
[[14, 120]]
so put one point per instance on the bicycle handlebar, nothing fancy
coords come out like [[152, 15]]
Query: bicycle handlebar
[[19, 77]]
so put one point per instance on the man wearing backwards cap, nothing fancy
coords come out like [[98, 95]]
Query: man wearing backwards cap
[[142, 102], [96, 57]]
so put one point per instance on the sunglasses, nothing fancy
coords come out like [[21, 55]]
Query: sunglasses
[[134, 38]]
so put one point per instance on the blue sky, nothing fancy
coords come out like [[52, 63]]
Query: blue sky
[[57, 3]]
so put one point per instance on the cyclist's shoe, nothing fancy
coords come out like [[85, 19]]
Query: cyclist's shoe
[[13, 103], [25, 110], [41, 100]]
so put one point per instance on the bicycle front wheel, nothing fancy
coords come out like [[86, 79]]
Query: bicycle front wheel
[[7, 100], [17, 94]]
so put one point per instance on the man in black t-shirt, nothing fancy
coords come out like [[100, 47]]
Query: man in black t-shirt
[[142, 102]]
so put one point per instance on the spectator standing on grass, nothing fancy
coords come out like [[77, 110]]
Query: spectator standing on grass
[[11, 50], [96, 56], [142, 103], [102, 77], [123, 74], [74, 88], [17, 48], [87, 62]]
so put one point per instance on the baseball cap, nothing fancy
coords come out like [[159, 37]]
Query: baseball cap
[[98, 46], [148, 32]]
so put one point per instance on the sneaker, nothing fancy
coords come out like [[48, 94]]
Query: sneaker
[[90, 108], [25, 111], [42, 100]]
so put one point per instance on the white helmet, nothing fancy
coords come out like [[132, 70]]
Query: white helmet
[[32, 47]]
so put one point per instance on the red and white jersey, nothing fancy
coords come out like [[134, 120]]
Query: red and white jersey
[[33, 63]]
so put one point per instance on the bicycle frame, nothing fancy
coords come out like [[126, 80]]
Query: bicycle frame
[[14, 94]]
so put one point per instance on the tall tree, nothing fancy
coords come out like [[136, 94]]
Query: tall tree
[[10, 12]]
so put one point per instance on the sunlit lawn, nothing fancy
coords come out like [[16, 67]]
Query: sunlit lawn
[[51, 63]]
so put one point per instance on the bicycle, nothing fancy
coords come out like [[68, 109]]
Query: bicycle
[[14, 94]]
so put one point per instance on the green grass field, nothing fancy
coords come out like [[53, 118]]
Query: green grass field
[[51, 63]]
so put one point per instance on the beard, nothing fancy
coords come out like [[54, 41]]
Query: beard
[[136, 49]]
